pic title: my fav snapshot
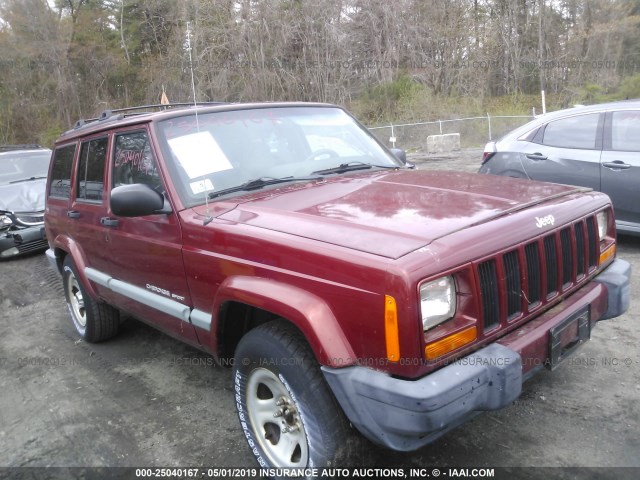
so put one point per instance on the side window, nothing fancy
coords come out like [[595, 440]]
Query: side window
[[134, 162], [573, 132], [91, 169], [625, 131], [61, 171]]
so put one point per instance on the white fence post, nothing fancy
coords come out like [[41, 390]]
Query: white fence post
[[392, 139], [489, 122]]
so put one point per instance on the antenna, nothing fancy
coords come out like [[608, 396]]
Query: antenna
[[193, 83], [208, 218]]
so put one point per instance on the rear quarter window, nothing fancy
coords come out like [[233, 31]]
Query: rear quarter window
[[60, 186]]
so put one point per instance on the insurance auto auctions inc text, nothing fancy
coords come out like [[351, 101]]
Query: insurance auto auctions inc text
[[375, 472]]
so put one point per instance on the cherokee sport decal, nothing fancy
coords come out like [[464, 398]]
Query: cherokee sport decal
[[548, 220], [165, 292]]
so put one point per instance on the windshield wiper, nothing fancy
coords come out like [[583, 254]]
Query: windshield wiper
[[261, 182], [28, 179], [351, 166]]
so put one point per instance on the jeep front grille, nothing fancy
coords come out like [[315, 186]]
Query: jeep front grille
[[551, 263], [512, 281], [515, 282], [534, 285], [490, 292]]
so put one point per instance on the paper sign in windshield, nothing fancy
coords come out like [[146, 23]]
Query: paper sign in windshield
[[199, 154]]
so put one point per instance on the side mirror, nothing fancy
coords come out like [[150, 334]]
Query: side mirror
[[401, 155], [137, 200]]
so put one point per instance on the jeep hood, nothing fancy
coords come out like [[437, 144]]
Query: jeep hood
[[390, 214], [27, 196]]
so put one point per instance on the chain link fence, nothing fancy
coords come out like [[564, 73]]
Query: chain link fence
[[474, 131]]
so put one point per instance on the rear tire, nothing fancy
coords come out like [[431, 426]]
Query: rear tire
[[94, 321], [288, 414]]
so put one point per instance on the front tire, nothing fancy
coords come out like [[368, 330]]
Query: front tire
[[94, 321], [287, 412]]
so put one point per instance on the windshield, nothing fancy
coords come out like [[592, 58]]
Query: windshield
[[22, 166], [217, 153]]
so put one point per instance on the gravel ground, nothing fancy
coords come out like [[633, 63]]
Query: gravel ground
[[466, 160], [144, 399]]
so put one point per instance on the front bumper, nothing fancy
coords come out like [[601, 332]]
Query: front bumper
[[407, 414], [21, 241]]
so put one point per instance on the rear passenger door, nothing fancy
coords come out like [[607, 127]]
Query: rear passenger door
[[145, 253], [567, 151], [89, 207], [621, 164]]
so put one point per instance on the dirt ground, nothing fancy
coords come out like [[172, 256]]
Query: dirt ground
[[144, 399]]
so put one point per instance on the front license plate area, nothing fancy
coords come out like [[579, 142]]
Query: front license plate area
[[568, 335]]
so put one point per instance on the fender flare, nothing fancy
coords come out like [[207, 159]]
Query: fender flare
[[308, 312], [70, 247]]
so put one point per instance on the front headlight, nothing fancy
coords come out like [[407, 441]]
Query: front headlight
[[603, 223], [437, 302], [5, 221]]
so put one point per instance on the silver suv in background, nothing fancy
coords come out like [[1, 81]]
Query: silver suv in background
[[23, 176], [594, 146]]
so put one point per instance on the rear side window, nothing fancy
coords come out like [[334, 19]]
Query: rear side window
[[573, 132], [61, 171], [134, 161], [625, 131], [91, 169]]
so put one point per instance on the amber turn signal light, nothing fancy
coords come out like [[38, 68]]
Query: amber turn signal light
[[450, 343], [607, 254], [391, 333]]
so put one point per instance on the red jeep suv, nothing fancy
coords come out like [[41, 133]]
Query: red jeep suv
[[345, 288]]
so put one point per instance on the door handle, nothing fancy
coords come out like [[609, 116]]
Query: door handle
[[536, 156], [109, 222], [616, 165], [73, 214]]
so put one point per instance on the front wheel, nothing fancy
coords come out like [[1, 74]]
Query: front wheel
[[288, 414], [94, 321]]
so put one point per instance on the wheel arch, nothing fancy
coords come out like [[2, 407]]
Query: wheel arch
[[505, 164], [65, 246], [244, 302]]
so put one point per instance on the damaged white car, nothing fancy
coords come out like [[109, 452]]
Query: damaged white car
[[23, 174]]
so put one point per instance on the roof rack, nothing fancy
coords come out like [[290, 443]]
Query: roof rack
[[120, 113], [25, 146]]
